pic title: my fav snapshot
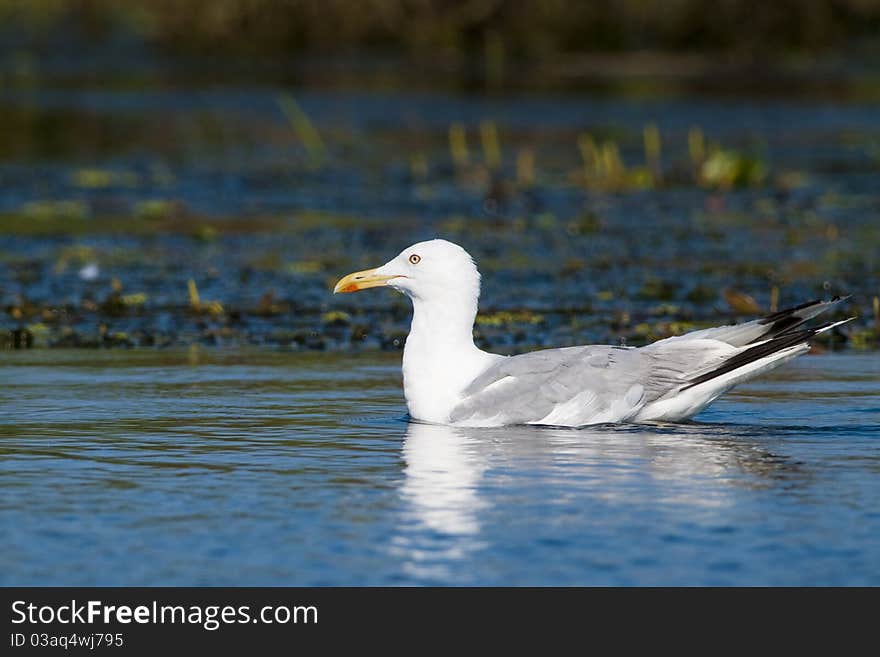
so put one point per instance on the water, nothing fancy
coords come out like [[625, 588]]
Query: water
[[261, 467]]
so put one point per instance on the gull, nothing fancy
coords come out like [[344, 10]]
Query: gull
[[448, 380]]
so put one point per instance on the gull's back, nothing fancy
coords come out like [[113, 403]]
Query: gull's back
[[669, 380], [576, 386]]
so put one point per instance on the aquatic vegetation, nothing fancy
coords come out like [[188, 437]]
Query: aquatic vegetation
[[198, 306], [585, 224], [546, 221], [701, 294], [205, 233], [604, 168], [304, 267], [491, 145], [458, 147], [38, 334], [306, 131], [865, 339], [134, 300], [741, 303], [869, 338], [96, 178], [194, 300], [645, 332], [117, 304], [658, 289], [51, 209], [589, 155], [713, 167], [504, 317], [155, 209], [727, 168], [631, 221], [653, 149], [336, 318]]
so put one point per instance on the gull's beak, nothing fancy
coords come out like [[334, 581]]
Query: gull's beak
[[361, 280]]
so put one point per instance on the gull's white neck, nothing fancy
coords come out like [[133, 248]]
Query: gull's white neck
[[440, 358]]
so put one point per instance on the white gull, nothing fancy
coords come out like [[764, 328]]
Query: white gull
[[448, 380]]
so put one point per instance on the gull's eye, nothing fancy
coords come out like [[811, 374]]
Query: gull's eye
[[415, 259]]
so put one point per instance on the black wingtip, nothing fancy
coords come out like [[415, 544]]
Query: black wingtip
[[764, 349], [790, 312], [785, 321]]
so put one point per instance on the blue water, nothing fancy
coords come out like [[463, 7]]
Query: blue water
[[274, 468]]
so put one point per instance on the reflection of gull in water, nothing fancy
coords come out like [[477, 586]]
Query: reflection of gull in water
[[440, 527], [443, 469], [459, 479]]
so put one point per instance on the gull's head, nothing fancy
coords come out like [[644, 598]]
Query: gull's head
[[430, 270]]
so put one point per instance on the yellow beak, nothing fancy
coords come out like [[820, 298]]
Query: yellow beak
[[361, 280]]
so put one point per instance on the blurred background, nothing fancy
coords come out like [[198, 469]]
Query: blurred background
[[202, 171]]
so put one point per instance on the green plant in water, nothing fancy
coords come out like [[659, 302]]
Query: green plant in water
[[39, 334], [303, 267], [134, 300], [199, 306], [491, 145], [47, 210], [504, 317], [336, 317], [154, 209], [305, 131], [458, 146], [603, 166], [727, 168], [590, 156], [95, 178], [653, 146]]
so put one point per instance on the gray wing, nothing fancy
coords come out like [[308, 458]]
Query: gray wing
[[588, 385], [581, 385]]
